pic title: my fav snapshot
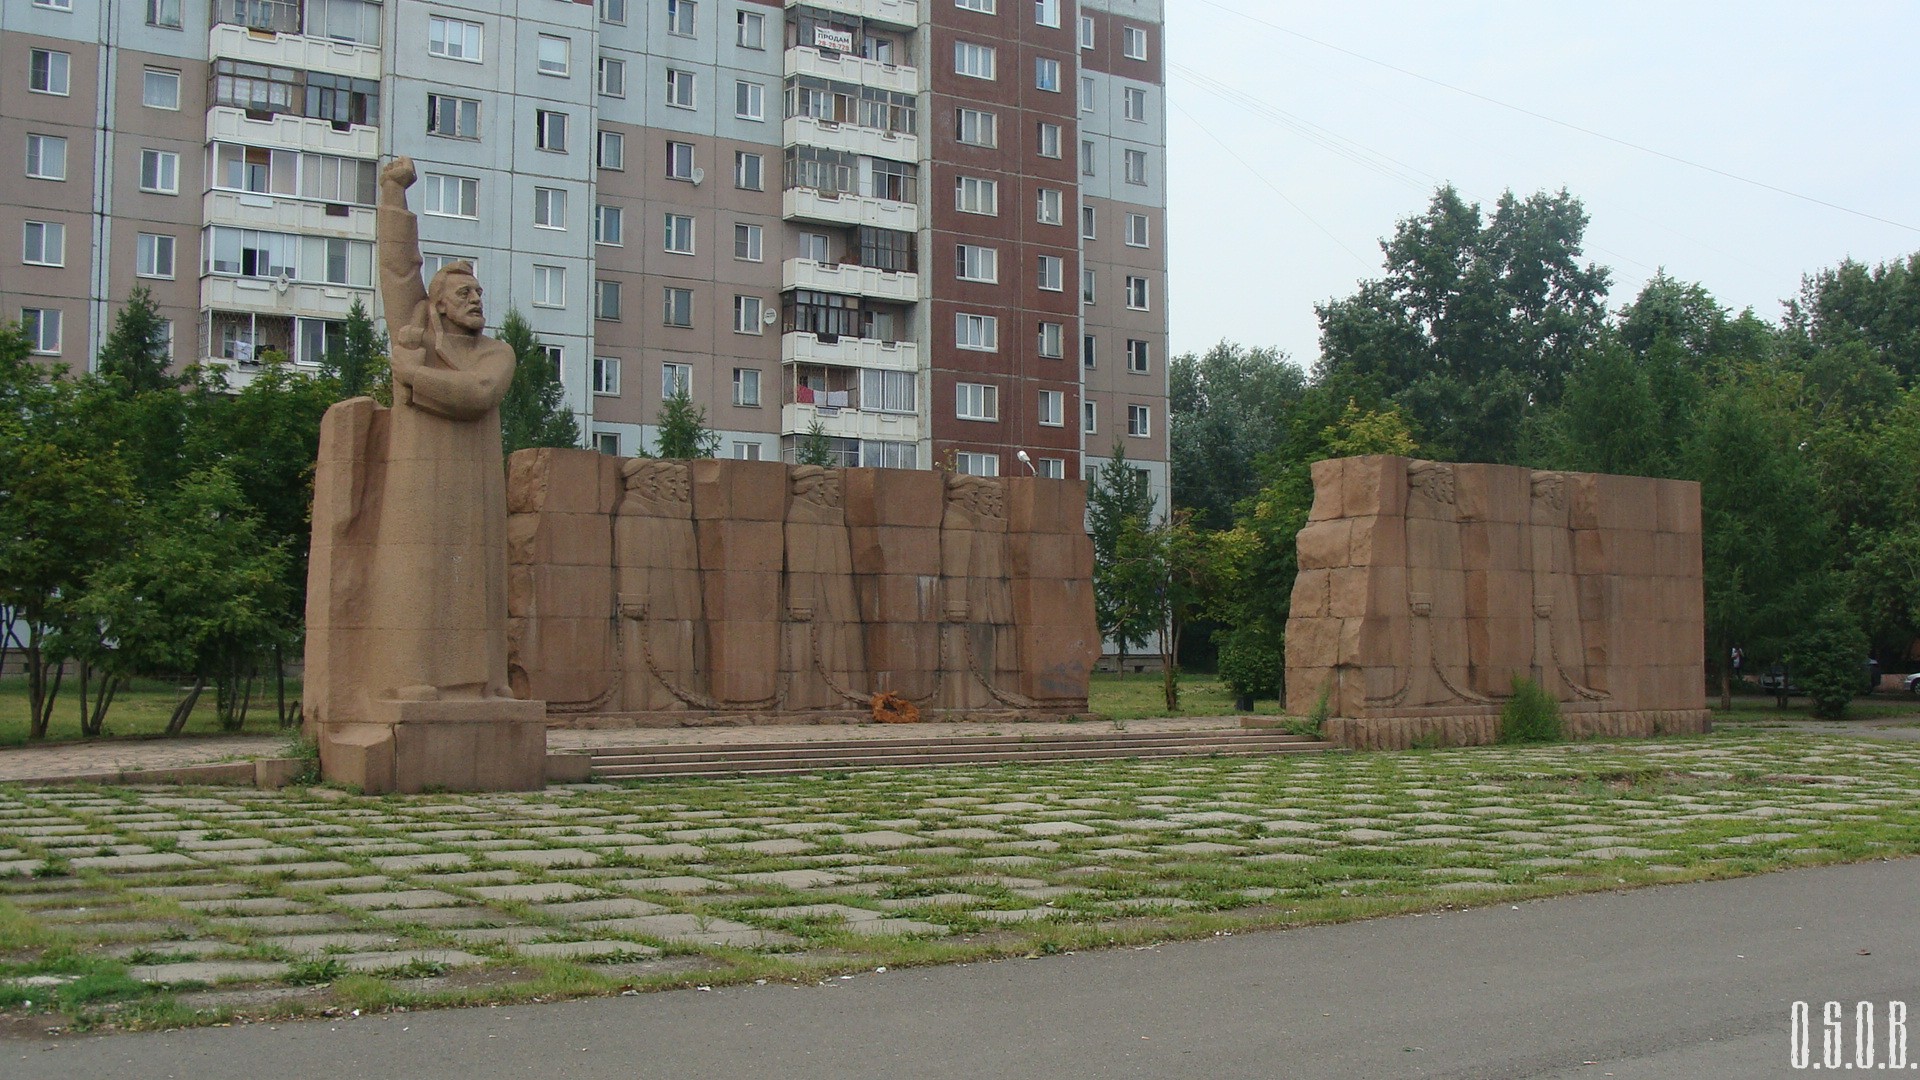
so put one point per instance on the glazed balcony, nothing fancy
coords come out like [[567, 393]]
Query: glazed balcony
[[872, 142], [288, 131], [850, 279], [901, 13], [847, 67], [293, 50], [285, 214], [270, 296]]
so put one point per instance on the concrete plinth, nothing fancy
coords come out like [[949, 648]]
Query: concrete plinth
[[413, 746]]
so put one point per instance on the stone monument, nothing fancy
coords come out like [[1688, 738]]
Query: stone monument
[[407, 644]]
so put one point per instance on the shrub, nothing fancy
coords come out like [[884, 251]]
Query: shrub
[[1249, 666], [1827, 660], [1530, 715]]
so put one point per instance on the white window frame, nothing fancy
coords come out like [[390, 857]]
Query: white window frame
[[1133, 42], [607, 442], [550, 208], [977, 262], [1136, 167], [59, 67], [606, 376], [976, 333], [1089, 222], [1086, 31], [976, 195], [458, 109], [682, 89], [749, 100], [609, 225], [681, 18], [677, 234], [749, 314], [1050, 274], [680, 161], [148, 256], [550, 130], [617, 160], [1051, 468], [166, 172], [448, 48], [1046, 74], [1052, 408], [675, 379], [1049, 140], [746, 387], [612, 77], [549, 286], [1046, 13], [1139, 230], [982, 125], [751, 239], [435, 193], [613, 11], [974, 61], [758, 35], [668, 309], [1139, 294], [1049, 206], [37, 166], [605, 290], [974, 463], [984, 7], [34, 323], [561, 68], [1087, 93], [976, 401], [1089, 351], [1134, 104], [1139, 356], [1052, 344], [1139, 421], [43, 243], [147, 84], [1089, 285], [1090, 417]]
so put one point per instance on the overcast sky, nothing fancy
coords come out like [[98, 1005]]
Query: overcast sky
[[1330, 149]]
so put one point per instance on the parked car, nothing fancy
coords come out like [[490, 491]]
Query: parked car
[[1913, 683]]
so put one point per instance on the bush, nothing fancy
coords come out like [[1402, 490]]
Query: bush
[[1827, 660], [1530, 715], [1249, 666]]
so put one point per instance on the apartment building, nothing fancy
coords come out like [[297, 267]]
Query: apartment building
[[933, 230]]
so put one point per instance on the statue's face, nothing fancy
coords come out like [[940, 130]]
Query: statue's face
[[460, 305]]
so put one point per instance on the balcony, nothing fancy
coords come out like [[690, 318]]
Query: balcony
[[843, 208], [901, 13], [264, 296], [851, 280], [272, 213], [805, 348], [849, 423], [872, 142], [285, 131], [846, 67], [293, 50]]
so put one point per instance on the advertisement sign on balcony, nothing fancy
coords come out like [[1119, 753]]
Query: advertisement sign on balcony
[[836, 40]]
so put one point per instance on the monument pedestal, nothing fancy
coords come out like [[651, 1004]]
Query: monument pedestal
[[496, 744]]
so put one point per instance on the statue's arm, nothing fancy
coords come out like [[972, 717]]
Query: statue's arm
[[401, 289], [467, 394]]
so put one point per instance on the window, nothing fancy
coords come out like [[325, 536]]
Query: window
[[345, 20], [976, 401], [1086, 31], [814, 247], [1139, 421], [607, 222], [1046, 12], [455, 118], [613, 11], [1134, 103], [679, 161], [450, 196], [1053, 340], [606, 376], [1133, 42], [746, 451], [155, 256], [1087, 282], [166, 335], [549, 286], [607, 442], [432, 263], [977, 332], [556, 357], [455, 39], [1088, 352], [44, 243], [746, 387], [1138, 358], [1052, 468], [550, 130], [985, 7], [550, 207], [1136, 166], [973, 61], [975, 127], [1050, 206], [47, 73], [1086, 93], [1088, 157], [1052, 408], [1088, 221], [748, 316], [555, 55], [1049, 140], [613, 150], [1137, 293], [613, 77], [749, 100], [679, 88], [968, 463], [676, 380], [887, 391], [160, 89], [1089, 418], [678, 307], [42, 328], [746, 242], [680, 234], [606, 300], [164, 13], [977, 263], [750, 30], [1136, 230], [46, 157], [748, 170], [1049, 273], [1046, 74], [973, 195], [680, 17]]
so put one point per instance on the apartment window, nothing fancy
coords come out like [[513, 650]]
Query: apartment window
[[676, 380], [453, 117], [1086, 93], [1139, 360], [556, 357], [1139, 421], [1046, 74], [1049, 140], [1088, 156], [976, 401], [1086, 31], [1046, 12], [606, 300], [750, 30], [166, 336], [1053, 406], [606, 376], [1053, 340], [160, 89], [1137, 293], [450, 196], [554, 55], [549, 286], [814, 247], [1137, 230], [42, 328], [1088, 222], [613, 150], [613, 77], [980, 333], [607, 442], [550, 207], [613, 11], [968, 463], [550, 130], [432, 263], [1088, 352], [679, 88], [455, 39], [1051, 206], [1133, 42], [887, 391], [746, 387], [680, 234], [154, 256], [973, 61], [1087, 282], [977, 263], [746, 242], [607, 225], [48, 71], [680, 17], [1089, 418], [678, 306], [164, 14], [749, 171], [1052, 468], [1136, 166], [44, 243], [746, 451], [748, 316], [973, 195], [679, 161], [1050, 272], [46, 157], [985, 7], [1135, 103], [749, 100], [975, 127]]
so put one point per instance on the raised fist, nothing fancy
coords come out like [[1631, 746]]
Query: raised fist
[[398, 171]]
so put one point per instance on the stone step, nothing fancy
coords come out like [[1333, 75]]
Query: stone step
[[1073, 741]]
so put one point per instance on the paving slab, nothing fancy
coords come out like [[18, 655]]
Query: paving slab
[[404, 898], [387, 961], [881, 839], [674, 885], [792, 879], [315, 944], [437, 860], [585, 950], [533, 892], [207, 971]]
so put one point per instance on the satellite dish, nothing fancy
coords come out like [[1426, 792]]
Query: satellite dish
[[698, 175], [282, 283]]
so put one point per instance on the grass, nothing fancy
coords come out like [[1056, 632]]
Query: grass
[[1139, 696], [139, 710]]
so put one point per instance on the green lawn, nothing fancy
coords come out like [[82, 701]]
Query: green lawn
[[1140, 697], [139, 710]]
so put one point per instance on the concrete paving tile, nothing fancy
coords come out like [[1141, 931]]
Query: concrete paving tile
[[611, 907], [842, 912], [674, 885], [386, 961], [1057, 828], [198, 948], [896, 927], [1018, 915], [404, 898], [791, 879], [438, 860], [880, 839], [545, 857], [689, 836], [971, 833], [315, 944], [1204, 847], [783, 846], [360, 883], [209, 891], [534, 892], [252, 905], [586, 950], [207, 971], [123, 864], [665, 852], [285, 924], [327, 868], [470, 877], [441, 917], [936, 900]]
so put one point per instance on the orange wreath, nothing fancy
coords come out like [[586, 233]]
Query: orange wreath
[[891, 708]]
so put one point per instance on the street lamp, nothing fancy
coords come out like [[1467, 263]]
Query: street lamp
[[1027, 461]]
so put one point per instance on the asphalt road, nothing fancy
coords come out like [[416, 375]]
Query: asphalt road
[[1688, 981]]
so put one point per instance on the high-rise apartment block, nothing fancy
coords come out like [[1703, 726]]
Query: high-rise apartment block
[[933, 230]]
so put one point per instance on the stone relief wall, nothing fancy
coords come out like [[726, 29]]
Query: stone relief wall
[[1425, 587], [646, 591]]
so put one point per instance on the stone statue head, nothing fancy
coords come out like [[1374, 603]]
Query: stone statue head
[[454, 294], [978, 495], [817, 484], [658, 481]]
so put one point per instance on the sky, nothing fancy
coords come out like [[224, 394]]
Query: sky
[[1290, 159]]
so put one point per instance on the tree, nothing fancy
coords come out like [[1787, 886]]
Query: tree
[[134, 356], [683, 429], [1829, 661], [1226, 407], [1878, 307], [814, 448], [1119, 512], [359, 365], [534, 412]]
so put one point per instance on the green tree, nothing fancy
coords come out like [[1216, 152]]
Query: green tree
[[358, 366], [1119, 514], [134, 356], [1877, 307], [814, 449], [683, 429], [1829, 661], [534, 412], [1226, 407]]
